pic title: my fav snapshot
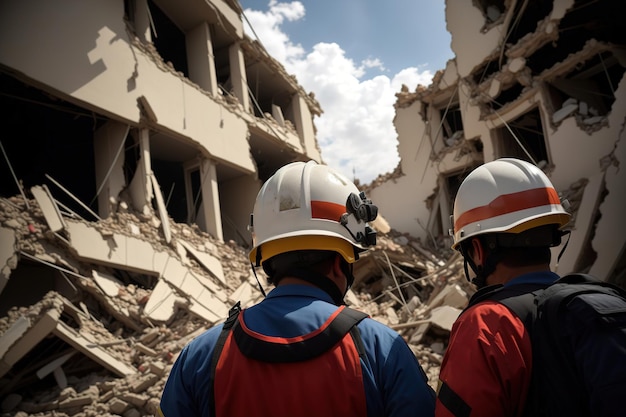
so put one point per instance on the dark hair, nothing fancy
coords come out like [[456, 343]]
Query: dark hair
[[531, 247], [278, 266], [517, 257]]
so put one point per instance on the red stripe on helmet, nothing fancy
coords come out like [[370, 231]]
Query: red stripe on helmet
[[327, 210], [509, 203]]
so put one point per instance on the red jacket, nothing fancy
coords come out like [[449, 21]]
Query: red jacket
[[487, 366]]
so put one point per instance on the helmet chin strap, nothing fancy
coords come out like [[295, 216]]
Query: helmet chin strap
[[480, 280], [482, 271]]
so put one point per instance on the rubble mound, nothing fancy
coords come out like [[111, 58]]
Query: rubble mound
[[95, 313]]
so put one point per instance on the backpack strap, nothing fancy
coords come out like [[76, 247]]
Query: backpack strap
[[233, 313], [520, 299], [358, 343], [272, 352]]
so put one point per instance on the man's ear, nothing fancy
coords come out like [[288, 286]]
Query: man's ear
[[478, 254]]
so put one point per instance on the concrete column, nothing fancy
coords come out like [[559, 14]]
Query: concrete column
[[140, 187], [303, 121], [211, 199], [238, 75], [109, 155], [444, 206], [200, 59]]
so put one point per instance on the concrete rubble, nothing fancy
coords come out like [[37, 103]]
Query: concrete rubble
[[95, 306], [124, 214], [113, 303]]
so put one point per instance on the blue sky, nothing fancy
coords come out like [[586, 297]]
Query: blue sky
[[355, 55]]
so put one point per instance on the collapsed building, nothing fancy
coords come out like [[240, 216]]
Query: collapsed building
[[142, 131], [541, 81]]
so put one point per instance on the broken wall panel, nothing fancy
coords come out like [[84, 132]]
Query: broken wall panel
[[208, 261], [576, 257], [161, 305], [17, 341], [114, 249], [49, 208]]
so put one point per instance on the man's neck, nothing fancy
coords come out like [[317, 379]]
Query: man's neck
[[294, 280]]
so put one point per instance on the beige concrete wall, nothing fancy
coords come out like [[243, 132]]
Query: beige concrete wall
[[464, 22], [609, 238], [305, 128], [237, 202], [92, 61], [88, 58], [401, 201]]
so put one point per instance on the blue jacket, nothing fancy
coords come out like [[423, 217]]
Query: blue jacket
[[394, 382]]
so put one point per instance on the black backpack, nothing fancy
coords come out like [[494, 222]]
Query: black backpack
[[557, 386]]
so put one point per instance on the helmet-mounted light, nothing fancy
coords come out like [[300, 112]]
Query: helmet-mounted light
[[360, 210]]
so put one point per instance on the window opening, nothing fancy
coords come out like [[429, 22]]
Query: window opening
[[523, 138], [168, 39]]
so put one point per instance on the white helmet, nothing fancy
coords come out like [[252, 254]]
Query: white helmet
[[308, 206], [505, 196]]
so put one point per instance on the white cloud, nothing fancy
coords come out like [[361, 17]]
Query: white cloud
[[355, 132]]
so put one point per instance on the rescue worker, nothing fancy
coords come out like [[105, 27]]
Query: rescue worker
[[507, 216], [301, 351]]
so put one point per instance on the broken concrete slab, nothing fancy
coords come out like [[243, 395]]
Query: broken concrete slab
[[29, 337], [48, 207], [451, 295], [108, 283], [162, 303], [91, 349], [210, 262]]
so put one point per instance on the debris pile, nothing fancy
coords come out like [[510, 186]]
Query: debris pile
[[94, 313]]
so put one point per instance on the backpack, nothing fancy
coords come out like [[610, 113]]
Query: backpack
[[254, 353], [556, 386]]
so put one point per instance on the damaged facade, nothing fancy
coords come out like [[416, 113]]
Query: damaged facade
[[142, 130], [141, 133], [147, 98], [541, 81]]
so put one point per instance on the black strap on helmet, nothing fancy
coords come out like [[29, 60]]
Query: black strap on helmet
[[494, 255]]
